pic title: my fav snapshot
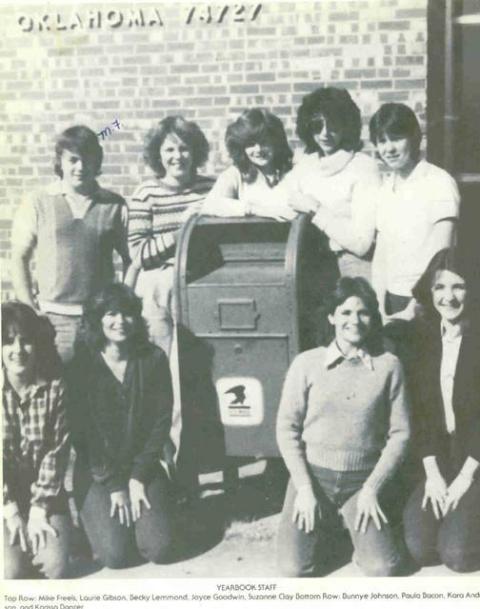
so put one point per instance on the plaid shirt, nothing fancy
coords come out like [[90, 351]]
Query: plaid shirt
[[36, 443]]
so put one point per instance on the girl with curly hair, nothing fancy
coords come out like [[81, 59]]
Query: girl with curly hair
[[120, 416], [174, 150], [258, 147]]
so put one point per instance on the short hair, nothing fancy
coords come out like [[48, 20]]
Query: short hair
[[345, 288], [338, 107], [449, 259], [115, 297], [258, 125], [22, 319], [82, 140], [188, 131], [396, 120]]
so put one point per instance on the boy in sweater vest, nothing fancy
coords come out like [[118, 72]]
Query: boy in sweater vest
[[74, 225]]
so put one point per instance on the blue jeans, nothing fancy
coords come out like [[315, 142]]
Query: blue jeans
[[150, 538], [453, 540], [66, 330], [376, 552]]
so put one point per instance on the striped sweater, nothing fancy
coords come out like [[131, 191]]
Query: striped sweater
[[155, 213]]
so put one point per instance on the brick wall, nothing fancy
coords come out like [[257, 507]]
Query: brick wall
[[105, 62]]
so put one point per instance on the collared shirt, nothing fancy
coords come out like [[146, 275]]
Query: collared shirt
[[36, 442], [451, 342], [407, 212], [334, 355]]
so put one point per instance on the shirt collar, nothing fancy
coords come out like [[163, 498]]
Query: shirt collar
[[417, 173], [452, 333], [68, 192], [334, 356], [31, 390], [334, 163]]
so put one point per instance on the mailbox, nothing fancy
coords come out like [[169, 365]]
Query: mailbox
[[248, 288]]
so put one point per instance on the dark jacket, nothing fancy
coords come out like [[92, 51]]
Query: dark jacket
[[428, 411], [119, 429]]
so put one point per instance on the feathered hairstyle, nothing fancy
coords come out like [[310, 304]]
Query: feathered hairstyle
[[19, 318], [84, 142], [338, 107], [258, 126], [115, 297], [188, 131]]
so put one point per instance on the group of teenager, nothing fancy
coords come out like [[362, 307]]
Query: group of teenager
[[92, 363]]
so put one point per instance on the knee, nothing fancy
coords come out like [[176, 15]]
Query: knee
[[289, 567], [378, 567], [114, 560], [157, 552], [423, 554], [56, 569], [456, 559], [14, 569]]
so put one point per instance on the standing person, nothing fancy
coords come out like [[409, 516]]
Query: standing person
[[174, 150], [418, 207], [36, 523], [442, 516], [74, 225], [334, 177], [120, 415], [258, 147], [342, 429]]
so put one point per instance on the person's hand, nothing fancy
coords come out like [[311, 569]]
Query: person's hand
[[368, 507], [17, 529], [38, 527], [456, 491], [305, 508], [303, 203], [120, 503], [137, 498], [436, 493], [258, 208]]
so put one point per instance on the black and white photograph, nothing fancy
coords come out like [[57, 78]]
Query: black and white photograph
[[240, 299]]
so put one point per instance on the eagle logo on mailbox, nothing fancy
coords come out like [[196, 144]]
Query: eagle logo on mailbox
[[239, 393], [240, 400]]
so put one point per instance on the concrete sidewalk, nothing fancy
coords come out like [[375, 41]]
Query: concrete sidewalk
[[232, 535]]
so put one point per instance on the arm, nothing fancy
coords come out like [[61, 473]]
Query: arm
[[443, 235], [379, 271], [23, 242], [54, 463], [291, 415], [224, 198], [161, 396], [151, 249], [355, 234], [398, 432], [121, 238]]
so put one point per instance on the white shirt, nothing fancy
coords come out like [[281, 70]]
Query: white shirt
[[407, 211], [451, 342]]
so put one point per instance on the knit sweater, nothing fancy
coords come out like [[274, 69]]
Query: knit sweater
[[155, 213], [231, 195], [343, 416]]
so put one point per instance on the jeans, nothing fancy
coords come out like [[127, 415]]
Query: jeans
[[453, 540], [150, 537], [300, 554], [66, 330], [51, 560]]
